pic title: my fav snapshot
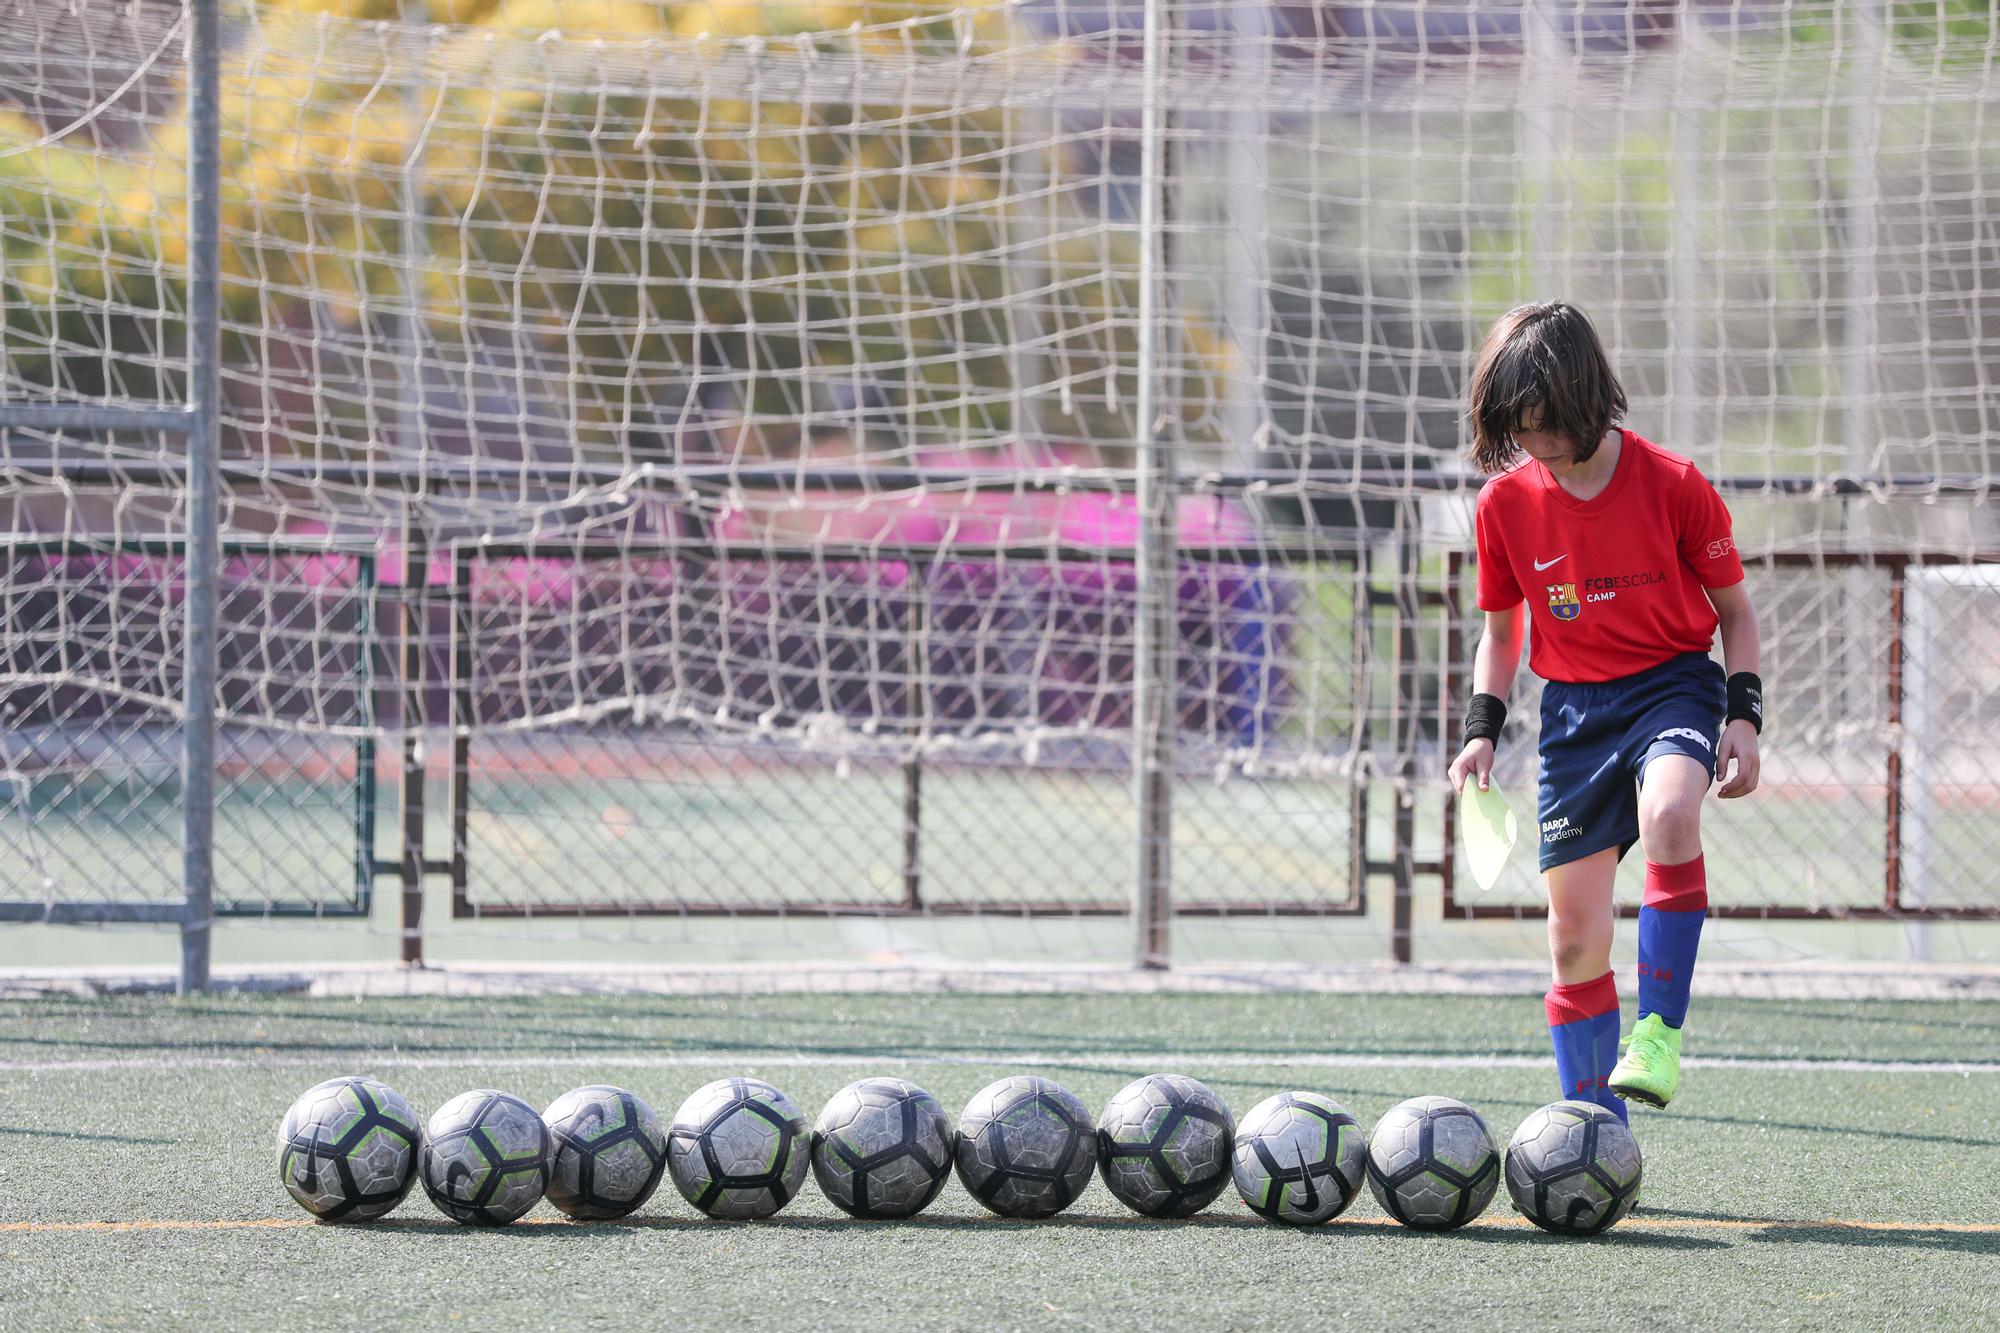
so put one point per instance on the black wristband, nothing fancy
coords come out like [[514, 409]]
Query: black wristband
[[1484, 716], [1746, 700]]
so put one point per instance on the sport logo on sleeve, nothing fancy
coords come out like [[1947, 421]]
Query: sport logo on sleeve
[[1563, 601], [1720, 547]]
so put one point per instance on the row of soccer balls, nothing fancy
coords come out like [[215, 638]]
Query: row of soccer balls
[[350, 1149]]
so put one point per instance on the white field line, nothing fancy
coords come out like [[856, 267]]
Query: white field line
[[1794, 979], [755, 1060]]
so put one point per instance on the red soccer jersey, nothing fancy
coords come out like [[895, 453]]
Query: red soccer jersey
[[1614, 584]]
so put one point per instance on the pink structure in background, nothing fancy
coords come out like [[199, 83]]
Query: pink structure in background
[[1010, 636], [1061, 630], [1008, 639]]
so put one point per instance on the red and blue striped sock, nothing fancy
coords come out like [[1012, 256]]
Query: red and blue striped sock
[[1670, 920], [1583, 1025]]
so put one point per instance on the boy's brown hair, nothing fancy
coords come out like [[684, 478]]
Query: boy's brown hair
[[1542, 364]]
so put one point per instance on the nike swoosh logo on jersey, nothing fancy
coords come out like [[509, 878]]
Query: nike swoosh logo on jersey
[[1541, 565]]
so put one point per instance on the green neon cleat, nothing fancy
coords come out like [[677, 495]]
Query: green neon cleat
[[1650, 1069]]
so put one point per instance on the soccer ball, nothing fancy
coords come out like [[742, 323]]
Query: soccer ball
[[347, 1150], [485, 1159], [1299, 1158], [1163, 1144], [1026, 1147], [738, 1149], [608, 1152], [882, 1148], [1431, 1163], [1574, 1168]]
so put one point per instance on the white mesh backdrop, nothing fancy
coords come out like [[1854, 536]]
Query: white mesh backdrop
[[760, 386]]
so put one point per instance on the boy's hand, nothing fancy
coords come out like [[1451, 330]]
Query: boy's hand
[[1476, 760], [1739, 743]]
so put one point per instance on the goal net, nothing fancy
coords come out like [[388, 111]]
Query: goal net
[[968, 483]]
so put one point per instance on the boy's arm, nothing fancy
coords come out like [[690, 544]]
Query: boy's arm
[[1493, 668], [1741, 650], [1740, 643], [1499, 654]]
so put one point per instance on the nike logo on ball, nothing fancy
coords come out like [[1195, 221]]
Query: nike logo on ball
[[1541, 565]]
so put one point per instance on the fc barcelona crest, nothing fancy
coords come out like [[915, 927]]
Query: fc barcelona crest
[[1563, 603]]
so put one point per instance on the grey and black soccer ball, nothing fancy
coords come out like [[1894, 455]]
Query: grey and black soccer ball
[[485, 1160], [1026, 1147], [1432, 1164], [347, 1150], [738, 1148], [1300, 1158], [609, 1152], [1163, 1144], [882, 1148], [1574, 1168]]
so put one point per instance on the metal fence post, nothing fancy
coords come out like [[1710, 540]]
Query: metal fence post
[[411, 405], [204, 451], [413, 719], [1406, 727], [1155, 660]]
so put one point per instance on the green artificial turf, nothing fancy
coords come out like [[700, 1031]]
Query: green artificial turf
[[148, 1109]]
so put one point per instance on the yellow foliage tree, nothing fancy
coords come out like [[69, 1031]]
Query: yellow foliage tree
[[627, 237]]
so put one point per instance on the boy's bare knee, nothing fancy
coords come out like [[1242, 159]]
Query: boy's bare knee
[[1573, 951], [1570, 953], [1670, 828]]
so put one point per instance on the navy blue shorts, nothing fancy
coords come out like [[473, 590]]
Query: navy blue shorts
[[1598, 738]]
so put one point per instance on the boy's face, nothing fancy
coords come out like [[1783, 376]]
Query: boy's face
[[1551, 449]]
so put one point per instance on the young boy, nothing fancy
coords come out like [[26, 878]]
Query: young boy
[[1624, 555]]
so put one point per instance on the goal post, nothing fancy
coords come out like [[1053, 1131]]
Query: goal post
[[196, 422]]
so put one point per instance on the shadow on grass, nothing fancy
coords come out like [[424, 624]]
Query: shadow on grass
[[1627, 1235], [1857, 1235], [861, 1027], [1899, 1135], [498, 1039], [1863, 1238], [1333, 1233], [1906, 1017], [22, 1130]]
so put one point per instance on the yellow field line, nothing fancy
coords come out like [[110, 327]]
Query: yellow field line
[[1727, 1224], [1641, 1224]]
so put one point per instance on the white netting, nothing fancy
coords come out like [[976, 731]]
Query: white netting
[[759, 383]]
